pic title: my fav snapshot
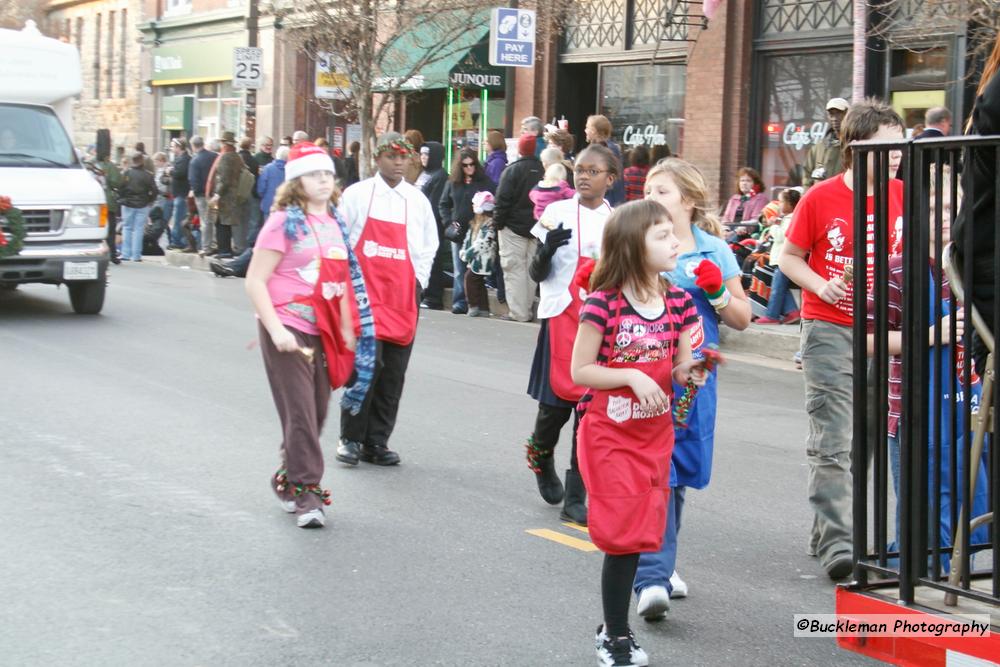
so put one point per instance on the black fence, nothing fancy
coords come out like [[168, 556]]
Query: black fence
[[944, 446]]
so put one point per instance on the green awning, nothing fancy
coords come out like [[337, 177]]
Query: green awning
[[465, 57]]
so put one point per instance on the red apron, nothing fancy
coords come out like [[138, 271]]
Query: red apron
[[624, 457], [562, 333], [332, 285], [383, 253]]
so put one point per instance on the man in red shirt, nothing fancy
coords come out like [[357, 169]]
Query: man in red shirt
[[819, 247]]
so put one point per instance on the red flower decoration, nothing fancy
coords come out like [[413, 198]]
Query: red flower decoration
[[583, 273], [5, 204]]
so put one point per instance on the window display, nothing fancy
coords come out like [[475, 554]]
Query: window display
[[645, 103]]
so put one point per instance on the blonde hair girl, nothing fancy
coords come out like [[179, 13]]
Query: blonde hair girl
[[691, 184]]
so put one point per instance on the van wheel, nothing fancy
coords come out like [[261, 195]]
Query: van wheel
[[87, 297]]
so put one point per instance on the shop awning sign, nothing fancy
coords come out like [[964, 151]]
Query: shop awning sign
[[512, 37], [332, 82]]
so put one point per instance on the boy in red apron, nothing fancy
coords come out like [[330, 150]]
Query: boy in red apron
[[394, 233], [633, 342]]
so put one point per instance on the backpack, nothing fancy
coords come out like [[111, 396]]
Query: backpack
[[244, 190]]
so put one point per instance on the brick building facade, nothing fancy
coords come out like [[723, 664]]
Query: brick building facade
[[104, 32]]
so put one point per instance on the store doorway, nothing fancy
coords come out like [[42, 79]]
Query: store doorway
[[576, 97]]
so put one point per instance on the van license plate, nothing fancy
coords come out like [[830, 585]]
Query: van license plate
[[80, 271]]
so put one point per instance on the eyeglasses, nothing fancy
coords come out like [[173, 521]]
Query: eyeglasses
[[590, 173], [468, 164]]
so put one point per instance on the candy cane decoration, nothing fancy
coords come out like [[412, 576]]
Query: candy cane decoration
[[711, 357]]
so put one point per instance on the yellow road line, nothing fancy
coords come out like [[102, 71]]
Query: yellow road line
[[566, 540], [576, 526]]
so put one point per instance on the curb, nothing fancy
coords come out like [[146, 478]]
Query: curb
[[777, 341]]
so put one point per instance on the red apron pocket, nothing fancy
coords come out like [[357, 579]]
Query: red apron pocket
[[627, 524]]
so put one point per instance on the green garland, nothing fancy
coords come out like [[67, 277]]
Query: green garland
[[11, 218]]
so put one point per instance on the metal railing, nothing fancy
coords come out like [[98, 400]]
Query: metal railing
[[942, 541]]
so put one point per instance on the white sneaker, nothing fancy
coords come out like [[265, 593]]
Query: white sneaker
[[680, 589], [312, 519], [654, 602], [287, 505], [625, 652]]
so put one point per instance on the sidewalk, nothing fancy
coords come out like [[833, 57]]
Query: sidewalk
[[777, 341]]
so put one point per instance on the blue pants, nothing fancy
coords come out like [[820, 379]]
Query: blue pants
[[781, 302], [133, 226], [180, 213], [655, 569], [458, 283]]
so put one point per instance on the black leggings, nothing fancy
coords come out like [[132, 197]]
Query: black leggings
[[617, 577], [549, 422]]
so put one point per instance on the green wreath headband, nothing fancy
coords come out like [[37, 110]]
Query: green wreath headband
[[397, 146]]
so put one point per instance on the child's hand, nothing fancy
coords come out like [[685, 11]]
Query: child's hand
[[284, 340], [833, 291], [708, 276], [691, 371], [350, 340], [651, 397], [959, 316]]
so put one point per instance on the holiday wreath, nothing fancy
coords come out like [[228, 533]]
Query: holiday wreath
[[12, 234]]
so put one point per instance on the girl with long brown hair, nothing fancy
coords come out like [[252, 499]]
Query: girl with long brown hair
[[633, 342]]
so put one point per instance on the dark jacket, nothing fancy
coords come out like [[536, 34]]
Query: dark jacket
[[271, 177], [456, 202], [437, 178], [179, 184], [138, 189], [354, 173], [250, 162], [929, 133], [495, 164], [514, 208], [263, 159], [198, 170], [976, 216], [616, 195]]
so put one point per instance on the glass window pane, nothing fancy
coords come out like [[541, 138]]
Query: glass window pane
[[645, 103], [797, 88]]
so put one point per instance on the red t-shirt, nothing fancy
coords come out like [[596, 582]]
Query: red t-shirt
[[823, 224]]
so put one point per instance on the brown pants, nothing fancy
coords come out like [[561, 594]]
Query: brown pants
[[301, 392], [475, 290]]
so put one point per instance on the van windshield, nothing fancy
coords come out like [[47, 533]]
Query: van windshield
[[32, 136]]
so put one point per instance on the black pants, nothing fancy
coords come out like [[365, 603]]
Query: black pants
[[434, 294], [373, 425], [617, 576], [548, 424], [224, 238]]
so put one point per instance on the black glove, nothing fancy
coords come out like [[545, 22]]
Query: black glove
[[453, 232], [556, 238]]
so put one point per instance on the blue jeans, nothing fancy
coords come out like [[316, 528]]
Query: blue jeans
[[133, 226], [180, 213], [655, 569], [781, 302], [458, 283]]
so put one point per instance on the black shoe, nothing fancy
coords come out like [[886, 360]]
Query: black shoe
[[459, 310], [224, 255], [575, 507], [543, 465], [380, 455], [841, 567], [221, 269], [347, 452], [116, 259], [431, 305]]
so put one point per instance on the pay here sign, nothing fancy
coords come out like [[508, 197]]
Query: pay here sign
[[512, 37]]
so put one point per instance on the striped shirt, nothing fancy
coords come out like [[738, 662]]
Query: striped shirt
[[638, 339]]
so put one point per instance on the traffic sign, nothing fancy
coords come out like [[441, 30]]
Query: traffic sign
[[512, 37], [247, 62]]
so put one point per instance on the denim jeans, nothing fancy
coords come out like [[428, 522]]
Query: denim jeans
[[458, 283], [180, 213], [781, 302], [655, 569], [133, 226]]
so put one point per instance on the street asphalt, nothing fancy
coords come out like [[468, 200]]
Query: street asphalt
[[140, 528]]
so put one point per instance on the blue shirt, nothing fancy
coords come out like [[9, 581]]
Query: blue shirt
[[707, 247]]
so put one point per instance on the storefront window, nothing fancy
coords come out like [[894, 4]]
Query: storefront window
[[797, 88], [645, 103]]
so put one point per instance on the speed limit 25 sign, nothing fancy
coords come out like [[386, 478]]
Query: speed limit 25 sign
[[247, 61]]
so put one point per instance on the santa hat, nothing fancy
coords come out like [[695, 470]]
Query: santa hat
[[526, 145], [305, 157], [482, 202]]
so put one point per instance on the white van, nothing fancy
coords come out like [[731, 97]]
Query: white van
[[63, 206]]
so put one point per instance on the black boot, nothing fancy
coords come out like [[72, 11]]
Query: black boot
[[542, 464], [575, 508]]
